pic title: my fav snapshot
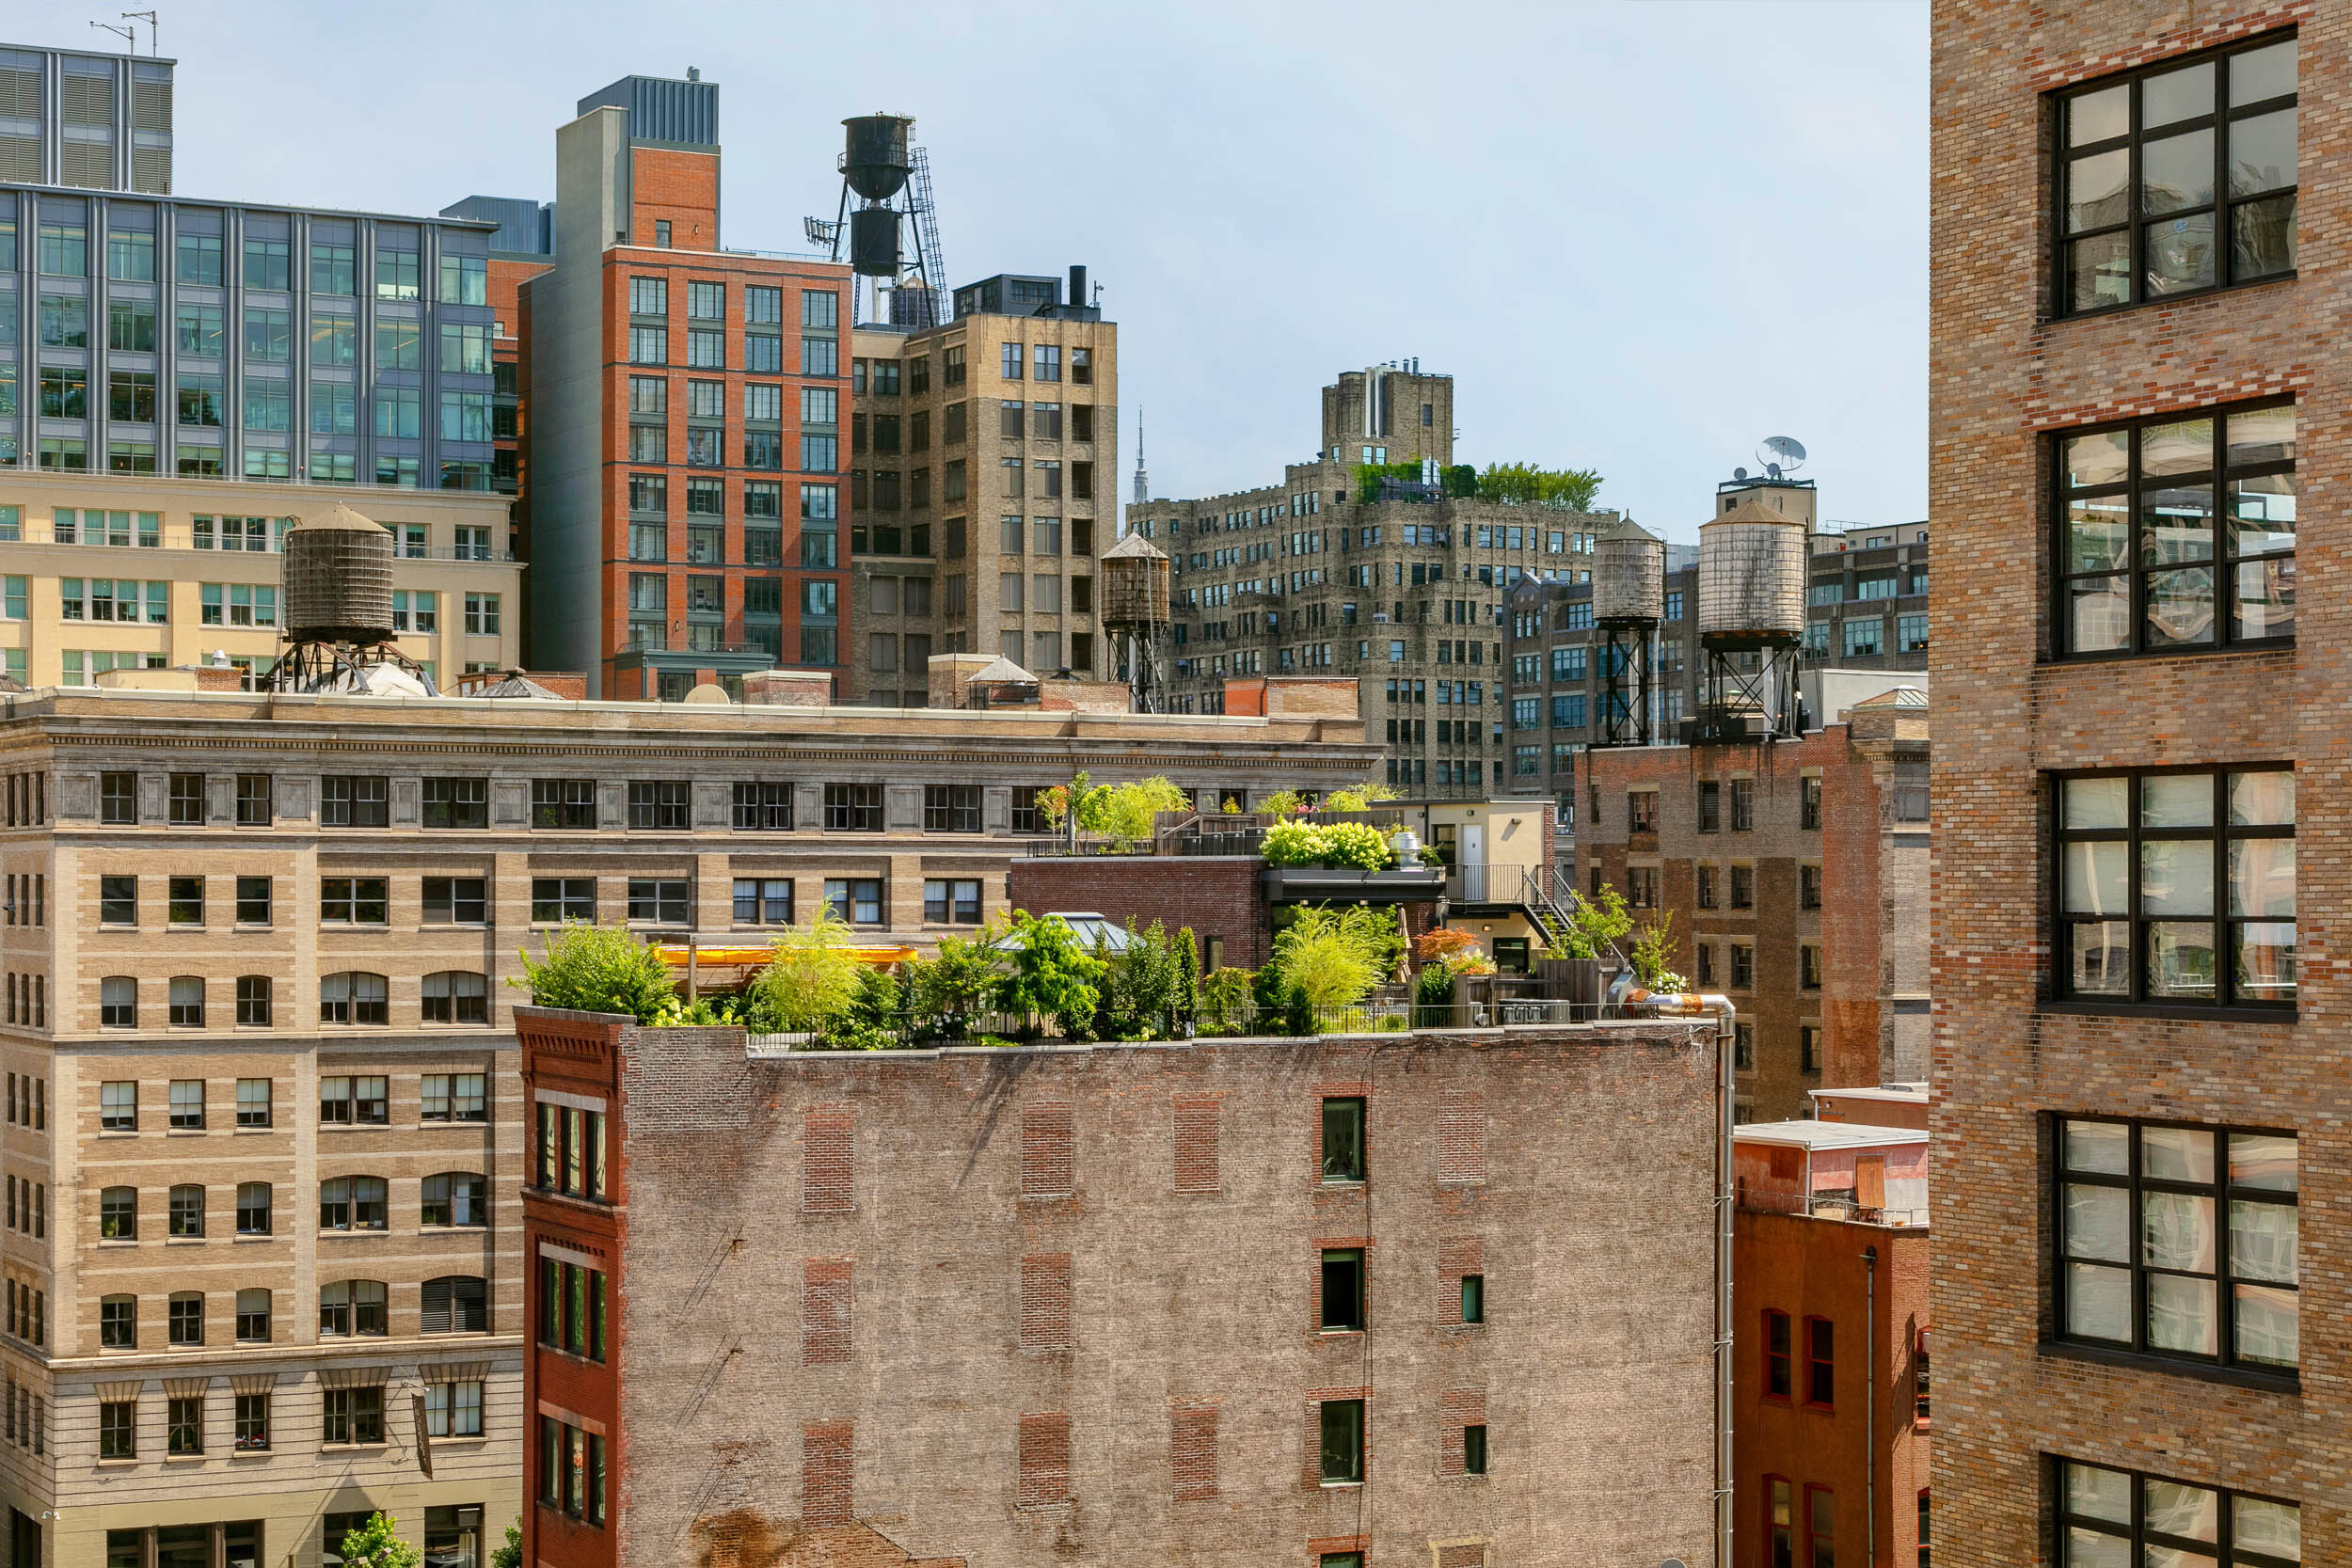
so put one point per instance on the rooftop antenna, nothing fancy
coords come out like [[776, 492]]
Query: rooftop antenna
[[1781, 455], [1143, 484], [131, 34], [148, 17]]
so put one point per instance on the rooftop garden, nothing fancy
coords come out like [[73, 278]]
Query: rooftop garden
[[1506, 483]]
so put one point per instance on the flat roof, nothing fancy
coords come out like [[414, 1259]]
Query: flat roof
[[1826, 1134], [306, 209], [1898, 1094]]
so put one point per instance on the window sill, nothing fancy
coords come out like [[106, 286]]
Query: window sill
[[117, 1463], [252, 1236], [2127, 656], [353, 1448], [2187, 1013], [249, 1454], [184, 1459], [1340, 1485], [2057, 319], [2236, 1377]]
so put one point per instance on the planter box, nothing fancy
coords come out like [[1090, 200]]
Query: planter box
[[1301, 883], [1571, 980]]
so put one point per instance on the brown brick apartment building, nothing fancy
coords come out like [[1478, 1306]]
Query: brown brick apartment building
[[1123, 1303], [1796, 878], [2141, 771], [685, 429]]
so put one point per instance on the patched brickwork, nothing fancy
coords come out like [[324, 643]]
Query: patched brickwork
[[1215, 896], [1462, 1136], [1048, 1137], [1192, 1453], [1312, 1473], [1046, 1300], [1044, 1466], [1458, 1408], [1197, 1133], [826, 1296], [1457, 1257], [828, 1141], [827, 1456], [1472, 1556]]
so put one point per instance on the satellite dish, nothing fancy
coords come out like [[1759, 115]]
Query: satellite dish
[[1739, 473], [1784, 451], [1773, 469]]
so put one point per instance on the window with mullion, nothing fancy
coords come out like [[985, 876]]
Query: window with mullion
[[2179, 1241], [2116, 1516], [2177, 534], [2177, 888], [2177, 179]]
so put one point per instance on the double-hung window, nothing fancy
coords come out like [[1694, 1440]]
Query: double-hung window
[[2177, 534], [2179, 1241], [2177, 888], [2178, 178]]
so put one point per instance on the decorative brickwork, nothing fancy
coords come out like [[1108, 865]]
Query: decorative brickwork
[[1462, 1136]]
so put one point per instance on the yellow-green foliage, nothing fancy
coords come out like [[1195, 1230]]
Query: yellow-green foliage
[[1334, 958], [812, 980]]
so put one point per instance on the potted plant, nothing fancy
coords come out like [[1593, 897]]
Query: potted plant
[[1574, 957]]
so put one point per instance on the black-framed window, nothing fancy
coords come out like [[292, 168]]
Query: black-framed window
[[1340, 1445], [657, 803], [355, 800], [951, 808], [563, 802], [456, 802], [2177, 534], [2179, 1241], [2177, 179], [2108, 1516], [2177, 888], [854, 808], [763, 806]]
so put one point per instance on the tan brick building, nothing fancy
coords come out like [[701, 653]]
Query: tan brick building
[[1796, 879], [1219, 1302], [983, 473], [262, 1134], [2140, 1077]]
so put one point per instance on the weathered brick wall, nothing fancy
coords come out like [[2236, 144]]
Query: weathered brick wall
[[1217, 896], [2003, 376], [1082, 1298]]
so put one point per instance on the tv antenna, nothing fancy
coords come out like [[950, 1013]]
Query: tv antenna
[[129, 34], [148, 17], [1781, 455]]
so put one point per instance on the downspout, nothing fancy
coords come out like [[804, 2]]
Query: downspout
[[1871, 1406], [1689, 1004]]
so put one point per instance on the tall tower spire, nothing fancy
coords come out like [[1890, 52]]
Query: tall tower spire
[[1143, 484]]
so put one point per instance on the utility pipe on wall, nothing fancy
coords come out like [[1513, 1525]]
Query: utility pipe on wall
[[1871, 1406]]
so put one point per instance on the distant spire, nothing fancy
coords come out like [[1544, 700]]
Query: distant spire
[[1143, 482]]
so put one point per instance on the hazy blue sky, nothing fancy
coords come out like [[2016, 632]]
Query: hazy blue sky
[[1641, 236]]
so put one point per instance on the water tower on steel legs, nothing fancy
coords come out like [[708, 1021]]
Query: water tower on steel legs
[[1134, 581], [336, 575], [892, 183], [1751, 584], [1629, 599]]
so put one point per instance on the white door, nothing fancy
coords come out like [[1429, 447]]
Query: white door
[[1473, 862]]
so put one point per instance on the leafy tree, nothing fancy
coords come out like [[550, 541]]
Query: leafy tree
[[1124, 812], [377, 1545], [1595, 924], [1652, 953], [1282, 1008], [1052, 803], [812, 980], [1053, 976], [1335, 957], [1140, 986], [1224, 994], [1188, 977], [600, 968], [509, 1555], [950, 991]]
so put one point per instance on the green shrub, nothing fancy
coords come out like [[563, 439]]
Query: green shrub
[[509, 1555], [1282, 1008], [377, 1545], [1052, 976], [1334, 958], [1124, 812], [1596, 926], [812, 980], [1432, 995], [600, 968], [1138, 988], [1225, 1000], [1340, 845], [1525, 483], [873, 1020], [949, 992]]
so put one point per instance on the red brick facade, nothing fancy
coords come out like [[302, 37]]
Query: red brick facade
[[2009, 376], [1217, 895]]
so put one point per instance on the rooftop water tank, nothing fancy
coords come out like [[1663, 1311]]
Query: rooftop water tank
[[337, 570], [874, 157], [1751, 570], [1132, 580], [1628, 574]]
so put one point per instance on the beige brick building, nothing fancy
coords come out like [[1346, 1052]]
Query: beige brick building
[[983, 473], [103, 571], [1404, 593], [2139, 980], [262, 1139]]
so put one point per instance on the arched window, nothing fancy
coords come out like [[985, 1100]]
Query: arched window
[[187, 1001], [456, 996], [119, 1214], [352, 1306], [456, 1198], [455, 1303], [118, 1002], [353, 1203], [119, 1322], [353, 996], [187, 1211]]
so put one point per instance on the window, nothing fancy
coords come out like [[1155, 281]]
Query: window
[[2144, 1264], [455, 1304], [1474, 1449], [1710, 805], [1809, 802], [253, 998], [855, 900], [1742, 805], [1808, 968], [253, 1207], [1777, 1365], [951, 808], [452, 1410], [187, 1104], [118, 795], [354, 1415], [1821, 1364], [558, 898], [571, 1308], [2116, 1516], [353, 900], [563, 802], [1342, 1139], [353, 1203], [183, 1320], [253, 1324], [2178, 889], [659, 900], [1809, 1047], [1641, 808], [119, 1214], [1342, 1290], [252, 1410], [660, 804], [763, 807], [571, 1467], [2142, 568], [354, 1102], [763, 901], [118, 1002], [1341, 1445], [1808, 886], [456, 996], [352, 801], [456, 901], [955, 901], [2212, 143], [117, 1424], [854, 808], [1820, 1527], [1473, 1298], [253, 1103], [457, 1198]]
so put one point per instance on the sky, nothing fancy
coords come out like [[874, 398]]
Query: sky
[[1640, 236]]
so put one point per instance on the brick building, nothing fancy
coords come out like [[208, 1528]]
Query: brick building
[[1830, 1368], [2126, 348], [684, 434], [981, 519], [1796, 877], [1404, 593], [1327, 1302]]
